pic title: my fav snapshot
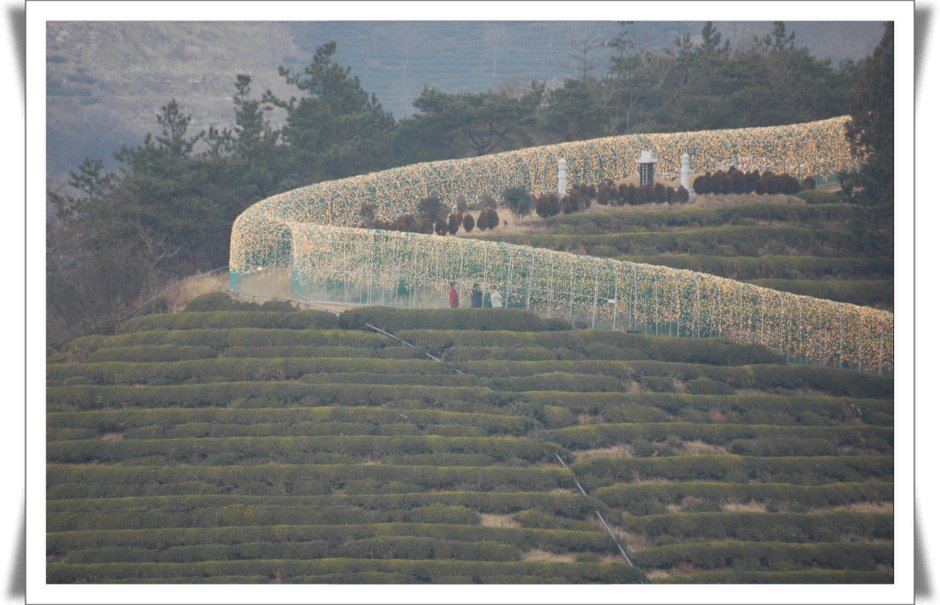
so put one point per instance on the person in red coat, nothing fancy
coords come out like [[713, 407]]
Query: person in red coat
[[454, 297]]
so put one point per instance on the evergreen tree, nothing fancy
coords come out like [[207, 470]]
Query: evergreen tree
[[871, 131], [336, 130]]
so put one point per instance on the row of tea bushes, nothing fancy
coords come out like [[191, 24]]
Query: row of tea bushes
[[345, 571], [603, 435], [230, 370], [804, 215], [829, 526], [140, 423], [271, 394], [295, 450], [122, 481], [364, 378], [169, 353], [742, 409], [814, 470], [769, 556], [769, 266], [596, 344], [558, 503], [857, 292], [219, 339], [809, 576], [647, 499], [340, 540], [309, 319], [397, 320], [717, 241]]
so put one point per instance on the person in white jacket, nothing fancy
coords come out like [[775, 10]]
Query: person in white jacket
[[496, 299]]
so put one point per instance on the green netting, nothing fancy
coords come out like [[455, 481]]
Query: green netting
[[302, 245]]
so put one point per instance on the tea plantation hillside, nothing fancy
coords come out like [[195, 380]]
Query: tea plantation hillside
[[810, 246], [241, 443]]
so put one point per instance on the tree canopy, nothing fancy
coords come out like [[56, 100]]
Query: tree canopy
[[118, 239]]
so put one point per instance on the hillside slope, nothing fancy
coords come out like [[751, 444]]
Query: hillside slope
[[232, 443]]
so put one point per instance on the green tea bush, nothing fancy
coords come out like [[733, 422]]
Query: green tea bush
[[776, 440], [660, 384], [396, 320], [769, 556], [556, 381], [769, 409], [813, 576], [436, 380], [707, 386], [608, 407], [601, 472], [152, 353], [833, 526], [296, 320], [743, 241], [346, 570], [232, 422], [220, 301], [856, 292], [770, 377], [818, 196], [326, 351], [772, 266], [271, 479], [238, 369]]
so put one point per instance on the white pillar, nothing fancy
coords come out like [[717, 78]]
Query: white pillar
[[562, 178], [685, 175]]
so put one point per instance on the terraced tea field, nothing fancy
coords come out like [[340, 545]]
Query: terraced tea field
[[234, 443], [804, 248]]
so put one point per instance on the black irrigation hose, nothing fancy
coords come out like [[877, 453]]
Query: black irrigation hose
[[597, 512]]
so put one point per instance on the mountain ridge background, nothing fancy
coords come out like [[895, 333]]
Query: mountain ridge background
[[106, 80]]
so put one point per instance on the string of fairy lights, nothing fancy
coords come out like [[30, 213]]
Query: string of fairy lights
[[311, 232]]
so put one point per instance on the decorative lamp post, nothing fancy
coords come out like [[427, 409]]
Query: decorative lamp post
[[646, 162]]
